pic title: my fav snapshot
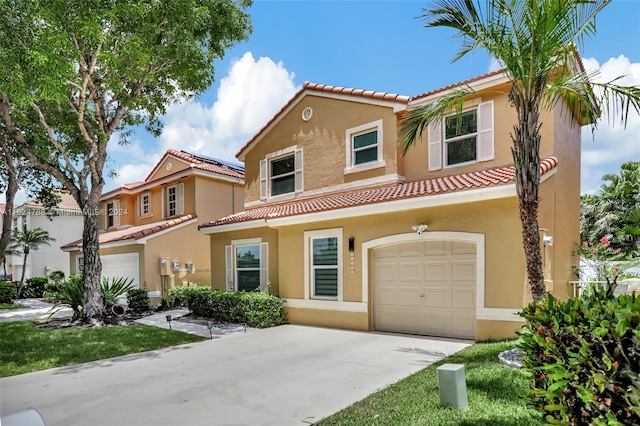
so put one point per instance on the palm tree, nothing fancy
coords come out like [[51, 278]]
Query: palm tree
[[534, 42], [26, 240]]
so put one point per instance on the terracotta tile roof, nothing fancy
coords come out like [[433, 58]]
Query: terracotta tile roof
[[67, 202], [135, 232], [423, 188], [451, 86], [383, 96], [207, 164]]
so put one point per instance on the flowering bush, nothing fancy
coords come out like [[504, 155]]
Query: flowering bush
[[601, 259]]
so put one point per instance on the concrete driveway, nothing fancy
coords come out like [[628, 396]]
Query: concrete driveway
[[287, 375]]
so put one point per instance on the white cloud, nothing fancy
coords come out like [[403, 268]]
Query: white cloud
[[613, 144], [495, 65], [251, 93]]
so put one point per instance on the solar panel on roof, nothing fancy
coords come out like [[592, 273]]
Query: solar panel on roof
[[215, 160]]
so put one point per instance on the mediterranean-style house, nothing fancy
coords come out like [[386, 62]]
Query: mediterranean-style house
[[354, 235], [149, 230], [63, 222]]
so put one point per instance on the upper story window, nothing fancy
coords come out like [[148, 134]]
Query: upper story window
[[364, 147], [174, 200], [113, 213], [145, 204], [462, 140], [281, 173]]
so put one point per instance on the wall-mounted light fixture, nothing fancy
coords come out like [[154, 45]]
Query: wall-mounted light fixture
[[419, 228], [547, 241], [352, 244]]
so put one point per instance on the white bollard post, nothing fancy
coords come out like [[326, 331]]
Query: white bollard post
[[453, 386]]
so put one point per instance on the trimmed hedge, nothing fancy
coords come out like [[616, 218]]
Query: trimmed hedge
[[34, 287], [584, 357], [254, 309], [7, 291], [138, 300]]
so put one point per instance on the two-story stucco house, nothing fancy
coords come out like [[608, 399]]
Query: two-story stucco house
[[354, 235], [149, 230], [64, 223]]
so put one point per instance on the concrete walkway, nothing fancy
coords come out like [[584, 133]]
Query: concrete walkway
[[287, 375], [33, 309]]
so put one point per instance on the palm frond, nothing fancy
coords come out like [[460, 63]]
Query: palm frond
[[413, 124]]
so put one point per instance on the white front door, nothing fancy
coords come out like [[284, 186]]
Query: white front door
[[425, 287]]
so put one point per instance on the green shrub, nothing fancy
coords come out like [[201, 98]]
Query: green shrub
[[34, 287], [56, 278], [7, 291], [115, 288], [70, 293], [138, 300], [584, 358], [254, 309]]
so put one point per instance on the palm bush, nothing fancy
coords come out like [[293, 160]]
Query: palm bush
[[69, 293], [114, 289]]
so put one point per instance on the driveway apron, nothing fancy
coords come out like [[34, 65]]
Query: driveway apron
[[287, 375]]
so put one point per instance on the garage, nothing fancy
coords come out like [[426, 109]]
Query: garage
[[125, 265], [425, 287]]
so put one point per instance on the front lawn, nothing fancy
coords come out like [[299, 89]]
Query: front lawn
[[10, 306], [495, 395], [26, 348]]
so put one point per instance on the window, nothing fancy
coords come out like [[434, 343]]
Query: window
[[460, 136], [80, 265], [145, 204], [323, 264], [174, 200], [113, 213], [462, 140], [281, 173], [246, 262], [364, 147]]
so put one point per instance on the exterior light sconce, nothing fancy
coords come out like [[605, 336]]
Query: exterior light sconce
[[352, 244], [547, 241], [419, 228]]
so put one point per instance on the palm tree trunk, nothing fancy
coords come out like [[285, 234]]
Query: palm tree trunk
[[93, 302], [526, 155], [24, 270]]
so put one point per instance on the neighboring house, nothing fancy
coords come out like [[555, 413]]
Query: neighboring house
[[149, 230], [65, 223], [354, 235]]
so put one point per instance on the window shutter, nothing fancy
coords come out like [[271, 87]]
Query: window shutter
[[263, 179], [139, 203], [435, 145], [162, 202], [181, 198], [228, 258], [116, 213], [264, 266], [298, 169], [485, 131]]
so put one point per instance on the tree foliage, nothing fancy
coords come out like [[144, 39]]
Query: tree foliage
[[76, 73], [535, 43], [614, 210]]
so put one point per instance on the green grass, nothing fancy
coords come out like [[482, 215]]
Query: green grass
[[25, 348], [495, 393], [10, 306]]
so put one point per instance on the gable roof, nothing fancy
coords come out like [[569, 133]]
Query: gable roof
[[195, 163], [134, 232], [488, 178], [67, 202], [364, 95]]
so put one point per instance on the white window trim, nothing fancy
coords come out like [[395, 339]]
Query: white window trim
[[265, 173], [309, 236], [231, 275], [179, 186], [116, 213], [141, 204], [350, 154]]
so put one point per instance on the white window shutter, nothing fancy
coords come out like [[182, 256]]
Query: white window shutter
[[181, 198], [264, 266], [485, 131], [298, 169], [435, 145], [162, 202], [228, 258], [263, 179], [139, 203]]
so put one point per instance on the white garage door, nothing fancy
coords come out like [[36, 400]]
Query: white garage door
[[426, 287], [121, 265]]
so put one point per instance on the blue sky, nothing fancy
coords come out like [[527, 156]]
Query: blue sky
[[373, 45]]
